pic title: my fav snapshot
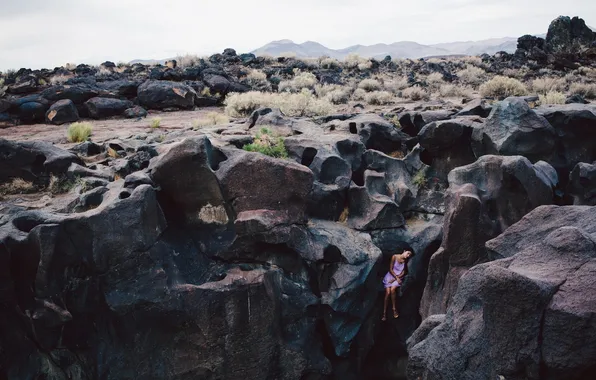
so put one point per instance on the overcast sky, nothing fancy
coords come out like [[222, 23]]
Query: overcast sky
[[49, 33]]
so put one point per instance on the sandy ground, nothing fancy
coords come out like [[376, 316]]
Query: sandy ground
[[110, 128]]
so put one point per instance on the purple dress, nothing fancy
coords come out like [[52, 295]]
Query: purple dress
[[389, 281]]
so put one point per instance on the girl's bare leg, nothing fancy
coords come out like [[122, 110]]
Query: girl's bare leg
[[394, 302], [387, 293]]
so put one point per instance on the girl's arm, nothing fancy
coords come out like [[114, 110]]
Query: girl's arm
[[391, 269]]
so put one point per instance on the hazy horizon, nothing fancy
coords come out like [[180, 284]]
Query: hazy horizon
[[37, 34]]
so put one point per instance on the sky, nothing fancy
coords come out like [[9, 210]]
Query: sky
[[50, 33]]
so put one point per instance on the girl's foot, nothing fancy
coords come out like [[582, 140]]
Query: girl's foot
[[384, 318], [395, 315]]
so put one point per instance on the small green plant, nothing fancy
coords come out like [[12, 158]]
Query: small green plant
[[155, 122], [420, 178], [79, 132], [267, 143], [211, 118]]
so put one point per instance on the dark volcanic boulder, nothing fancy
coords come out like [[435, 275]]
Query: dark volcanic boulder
[[106, 107], [483, 199], [531, 315], [189, 187], [568, 35], [253, 181], [24, 86], [163, 94], [513, 128], [126, 88], [32, 112], [412, 122], [78, 93], [448, 144], [476, 107], [582, 184], [63, 111], [217, 84], [135, 112], [376, 133], [575, 127], [33, 160]]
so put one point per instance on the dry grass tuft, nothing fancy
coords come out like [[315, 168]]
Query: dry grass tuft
[[379, 98], [415, 93], [471, 75], [301, 80], [548, 84], [17, 186], [370, 85], [552, 97], [303, 103], [587, 90], [79, 132], [454, 91], [155, 122], [502, 87], [211, 118]]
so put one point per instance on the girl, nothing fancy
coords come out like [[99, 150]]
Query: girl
[[393, 279]]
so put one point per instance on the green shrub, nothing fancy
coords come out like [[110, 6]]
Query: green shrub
[[502, 87], [420, 178], [267, 143], [79, 132], [155, 122]]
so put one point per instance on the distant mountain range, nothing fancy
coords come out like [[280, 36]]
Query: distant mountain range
[[403, 49]]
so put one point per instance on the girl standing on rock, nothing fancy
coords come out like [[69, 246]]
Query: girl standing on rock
[[393, 280]]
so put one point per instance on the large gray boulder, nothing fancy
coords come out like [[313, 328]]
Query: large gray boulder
[[530, 315], [483, 199]]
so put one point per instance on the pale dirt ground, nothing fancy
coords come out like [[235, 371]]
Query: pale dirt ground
[[117, 128], [108, 129]]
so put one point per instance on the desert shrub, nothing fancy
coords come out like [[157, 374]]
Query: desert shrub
[[358, 94], [587, 90], [329, 63], [454, 91], [187, 60], [17, 186], [471, 75], [336, 94], [396, 85], [548, 84], [415, 93], [70, 66], [301, 80], [211, 118], [79, 132], [370, 85], [472, 60], [303, 103], [267, 143], [2, 88], [155, 122], [587, 71], [379, 97], [257, 79], [552, 97], [502, 87], [517, 73], [354, 61], [435, 80]]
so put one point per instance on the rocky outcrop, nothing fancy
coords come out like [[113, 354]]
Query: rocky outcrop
[[165, 94], [483, 199], [528, 315], [582, 184], [63, 111]]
